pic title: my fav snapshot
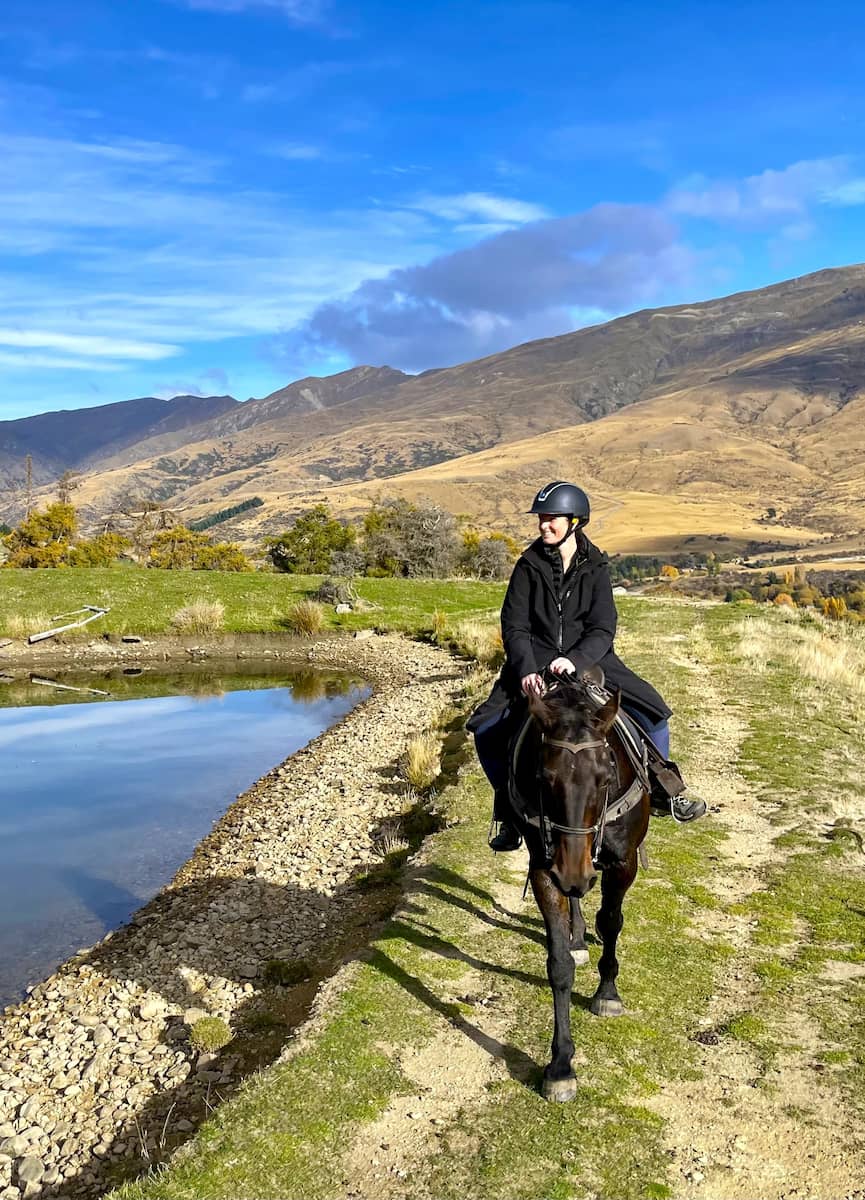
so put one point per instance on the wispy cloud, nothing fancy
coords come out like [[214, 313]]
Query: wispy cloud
[[296, 151], [299, 12], [483, 205], [771, 195], [101, 347]]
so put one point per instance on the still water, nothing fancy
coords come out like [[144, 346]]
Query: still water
[[102, 798]]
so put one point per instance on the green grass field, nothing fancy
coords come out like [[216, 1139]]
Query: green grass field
[[144, 601]]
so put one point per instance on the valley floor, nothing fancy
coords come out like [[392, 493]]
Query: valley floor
[[738, 1069]]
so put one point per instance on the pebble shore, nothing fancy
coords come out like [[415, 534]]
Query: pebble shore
[[97, 1071]]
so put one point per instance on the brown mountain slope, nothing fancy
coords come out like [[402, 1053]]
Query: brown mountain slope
[[78, 438], [722, 409]]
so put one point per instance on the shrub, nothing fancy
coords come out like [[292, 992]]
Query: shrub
[[209, 1034], [335, 591], [422, 760], [307, 548], [43, 539], [306, 618], [180, 548], [286, 974], [101, 551], [201, 616], [417, 540]]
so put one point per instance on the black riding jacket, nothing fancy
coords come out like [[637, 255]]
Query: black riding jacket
[[545, 616]]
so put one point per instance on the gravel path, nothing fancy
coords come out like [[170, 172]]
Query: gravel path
[[97, 1073]]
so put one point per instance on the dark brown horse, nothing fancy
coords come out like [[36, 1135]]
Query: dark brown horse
[[575, 830]]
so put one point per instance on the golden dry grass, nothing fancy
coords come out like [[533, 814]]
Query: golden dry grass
[[21, 625], [199, 616], [480, 640], [831, 655], [422, 760], [306, 618]]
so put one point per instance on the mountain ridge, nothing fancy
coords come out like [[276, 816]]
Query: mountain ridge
[[743, 396]]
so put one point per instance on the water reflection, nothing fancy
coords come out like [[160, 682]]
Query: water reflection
[[101, 800]]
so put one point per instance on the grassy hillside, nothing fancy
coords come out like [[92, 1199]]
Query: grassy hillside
[[738, 1069]]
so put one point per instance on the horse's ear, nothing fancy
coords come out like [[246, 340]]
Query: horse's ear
[[606, 715], [540, 711]]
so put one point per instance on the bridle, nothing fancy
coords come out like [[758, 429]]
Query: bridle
[[596, 831]]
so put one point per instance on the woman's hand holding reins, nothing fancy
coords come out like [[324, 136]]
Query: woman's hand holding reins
[[562, 666], [532, 685]]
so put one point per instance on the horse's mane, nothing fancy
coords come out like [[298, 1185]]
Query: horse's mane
[[566, 707]]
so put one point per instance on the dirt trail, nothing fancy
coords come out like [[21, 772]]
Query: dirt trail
[[740, 1132]]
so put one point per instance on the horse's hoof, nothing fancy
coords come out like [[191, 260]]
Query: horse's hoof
[[559, 1090], [606, 1008], [580, 957]]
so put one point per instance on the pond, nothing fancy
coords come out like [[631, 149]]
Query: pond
[[108, 782]]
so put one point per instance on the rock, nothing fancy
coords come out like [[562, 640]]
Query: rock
[[29, 1109], [13, 1146], [342, 608], [363, 634], [248, 970], [150, 1009], [30, 1169]]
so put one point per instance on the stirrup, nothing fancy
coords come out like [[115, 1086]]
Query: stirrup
[[506, 839]]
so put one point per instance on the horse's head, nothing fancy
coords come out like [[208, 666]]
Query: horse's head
[[575, 771]]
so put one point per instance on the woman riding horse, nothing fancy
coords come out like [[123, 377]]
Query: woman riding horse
[[559, 616]]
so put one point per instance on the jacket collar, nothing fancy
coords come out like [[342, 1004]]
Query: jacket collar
[[536, 558]]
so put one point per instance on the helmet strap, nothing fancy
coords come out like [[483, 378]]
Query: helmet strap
[[572, 529]]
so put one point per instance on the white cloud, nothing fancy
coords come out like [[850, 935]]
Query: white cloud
[[48, 362], [300, 12], [101, 347], [296, 151], [499, 209], [846, 195], [768, 197]]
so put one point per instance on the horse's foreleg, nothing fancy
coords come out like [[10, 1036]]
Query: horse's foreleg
[[579, 952], [615, 881], [559, 1081]]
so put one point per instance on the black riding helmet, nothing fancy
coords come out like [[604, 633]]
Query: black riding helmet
[[562, 499]]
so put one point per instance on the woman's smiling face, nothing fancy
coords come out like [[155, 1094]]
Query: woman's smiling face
[[553, 527]]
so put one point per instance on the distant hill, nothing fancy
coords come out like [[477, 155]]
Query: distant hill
[[81, 437], [736, 419]]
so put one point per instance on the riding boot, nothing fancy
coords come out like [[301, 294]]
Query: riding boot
[[678, 805], [508, 836]]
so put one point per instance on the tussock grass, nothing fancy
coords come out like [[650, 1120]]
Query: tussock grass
[[209, 1034], [306, 618], [832, 655], [423, 760], [21, 625], [390, 838], [480, 640], [199, 616]]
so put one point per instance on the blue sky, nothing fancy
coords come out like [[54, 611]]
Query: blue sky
[[224, 195]]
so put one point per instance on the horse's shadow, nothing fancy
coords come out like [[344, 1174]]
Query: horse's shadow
[[251, 911]]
